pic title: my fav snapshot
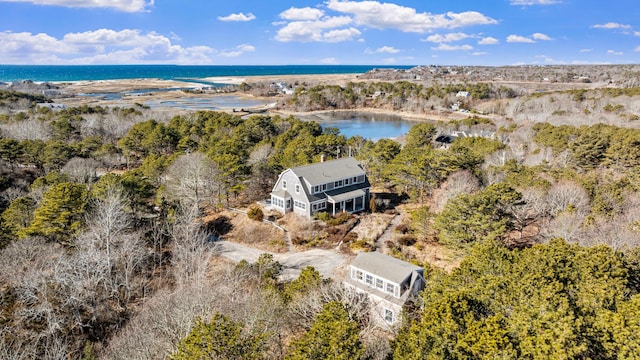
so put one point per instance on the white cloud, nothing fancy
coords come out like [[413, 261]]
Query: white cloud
[[637, 49], [389, 61], [541, 36], [549, 60], [328, 29], [451, 37], [383, 50], [636, 33], [586, 50], [479, 53], [238, 50], [103, 46], [340, 35], [121, 5], [237, 17], [302, 14], [391, 16], [613, 52], [488, 41], [519, 39], [611, 25], [533, 2], [447, 47], [329, 61]]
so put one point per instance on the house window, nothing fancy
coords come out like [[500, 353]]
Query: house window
[[299, 204], [369, 279], [388, 315], [284, 184], [355, 180], [324, 187], [391, 289], [297, 188], [358, 275], [347, 181], [316, 189], [379, 283]]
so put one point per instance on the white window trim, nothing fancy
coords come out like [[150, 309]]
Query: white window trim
[[387, 312]]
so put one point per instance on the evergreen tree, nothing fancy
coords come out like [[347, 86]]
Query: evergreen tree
[[221, 338], [60, 214], [332, 336]]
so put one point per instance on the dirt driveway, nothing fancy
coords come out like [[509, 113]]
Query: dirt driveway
[[329, 263]]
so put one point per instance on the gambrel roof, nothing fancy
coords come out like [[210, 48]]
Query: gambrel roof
[[330, 170]]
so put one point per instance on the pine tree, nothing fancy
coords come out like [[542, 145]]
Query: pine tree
[[60, 215], [332, 336]]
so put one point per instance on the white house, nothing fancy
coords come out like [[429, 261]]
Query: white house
[[332, 186], [388, 282], [51, 106], [463, 94]]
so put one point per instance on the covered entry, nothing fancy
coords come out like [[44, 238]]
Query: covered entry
[[351, 201]]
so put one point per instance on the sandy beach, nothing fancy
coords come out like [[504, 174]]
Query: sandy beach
[[76, 89]]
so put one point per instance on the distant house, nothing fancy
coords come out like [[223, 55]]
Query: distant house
[[51, 106], [463, 94], [388, 282], [332, 186]]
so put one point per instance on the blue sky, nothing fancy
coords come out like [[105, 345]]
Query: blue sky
[[259, 32]]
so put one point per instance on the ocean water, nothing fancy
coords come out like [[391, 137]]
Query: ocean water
[[60, 73]]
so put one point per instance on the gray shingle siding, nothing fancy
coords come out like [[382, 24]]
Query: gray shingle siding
[[315, 180]]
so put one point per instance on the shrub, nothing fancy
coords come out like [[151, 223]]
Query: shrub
[[322, 216], [407, 240], [402, 228], [255, 213], [352, 236], [339, 219]]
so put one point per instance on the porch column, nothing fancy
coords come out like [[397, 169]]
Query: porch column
[[353, 205]]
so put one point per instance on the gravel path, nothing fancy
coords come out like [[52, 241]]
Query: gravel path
[[388, 233], [329, 263]]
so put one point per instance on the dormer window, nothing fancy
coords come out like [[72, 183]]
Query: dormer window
[[284, 184], [297, 188]]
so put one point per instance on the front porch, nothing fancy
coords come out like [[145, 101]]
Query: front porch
[[351, 201]]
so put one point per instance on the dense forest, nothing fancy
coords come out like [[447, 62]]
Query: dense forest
[[106, 252]]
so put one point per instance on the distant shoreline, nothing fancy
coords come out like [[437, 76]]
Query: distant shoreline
[[69, 73]]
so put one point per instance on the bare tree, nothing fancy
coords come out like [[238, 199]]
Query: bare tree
[[261, 174], [567, 225], [460, 182], [81, 170], [531, 211], [191, 251], [194, 178], [567, 196]]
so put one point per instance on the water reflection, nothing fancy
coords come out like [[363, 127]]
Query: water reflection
[[368, 125]]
